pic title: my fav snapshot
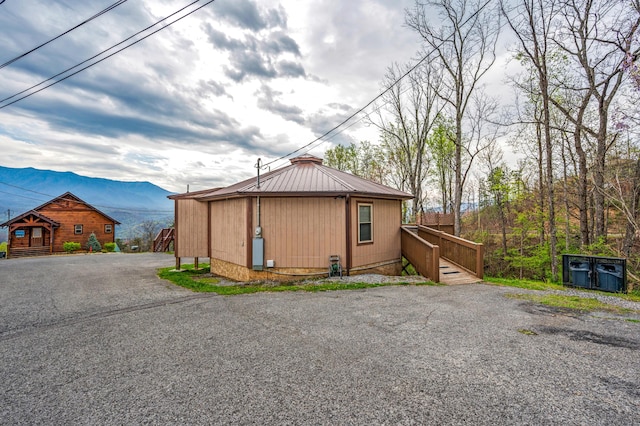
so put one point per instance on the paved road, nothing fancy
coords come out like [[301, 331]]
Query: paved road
[[98, 339]]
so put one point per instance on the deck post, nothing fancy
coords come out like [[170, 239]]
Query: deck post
[[435, 259], [177, 263], [480, 261], [195, 263]]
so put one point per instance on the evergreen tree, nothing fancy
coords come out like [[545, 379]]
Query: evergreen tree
[[93, 244]]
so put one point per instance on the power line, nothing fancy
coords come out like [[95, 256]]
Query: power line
[[323, 137], [343, 122], [106, 57], [102, 12]]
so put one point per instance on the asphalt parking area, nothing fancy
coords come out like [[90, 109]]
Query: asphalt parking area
[[100, 339]]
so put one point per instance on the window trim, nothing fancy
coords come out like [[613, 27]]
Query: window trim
[[108, 228], [76, 228], [360, 223]]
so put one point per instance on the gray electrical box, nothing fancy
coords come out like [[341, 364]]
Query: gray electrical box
[[258, 254]]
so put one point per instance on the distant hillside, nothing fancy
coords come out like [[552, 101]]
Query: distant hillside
[[128, 202]]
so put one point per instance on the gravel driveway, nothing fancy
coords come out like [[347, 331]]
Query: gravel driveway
[[98, 339]]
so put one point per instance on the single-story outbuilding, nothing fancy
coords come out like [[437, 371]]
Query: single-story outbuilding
[[44, 229], [288, 223]]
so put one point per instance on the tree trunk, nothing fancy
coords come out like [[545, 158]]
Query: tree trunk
[[633, 221], [583, 192]]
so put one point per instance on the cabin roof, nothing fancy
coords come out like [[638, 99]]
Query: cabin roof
[[64, 197], [31, 213], [305, 176]]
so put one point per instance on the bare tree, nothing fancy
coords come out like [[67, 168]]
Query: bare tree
[[405, 119], [531, 22], [599, 36], [461, 36]]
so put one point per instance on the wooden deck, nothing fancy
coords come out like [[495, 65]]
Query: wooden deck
[[451, 274]]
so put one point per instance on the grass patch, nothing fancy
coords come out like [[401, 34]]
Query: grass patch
[[524, 283], [196, 281], [583, 304], [633, 296]]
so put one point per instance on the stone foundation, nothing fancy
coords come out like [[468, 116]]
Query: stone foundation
[[242, 273]]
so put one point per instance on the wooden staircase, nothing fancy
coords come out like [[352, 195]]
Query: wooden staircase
[[28, 252], [442, 257], [163, 240]]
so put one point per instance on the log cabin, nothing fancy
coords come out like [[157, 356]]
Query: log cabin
[[44, 229], [297, 221]]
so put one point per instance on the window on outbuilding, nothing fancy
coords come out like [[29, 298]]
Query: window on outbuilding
[[108, 228], [77, 229], [36, 233], [365, 223]]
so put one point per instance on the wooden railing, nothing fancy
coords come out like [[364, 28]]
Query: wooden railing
[[163, 239], [439, 221], [424, 256], [464, 253]]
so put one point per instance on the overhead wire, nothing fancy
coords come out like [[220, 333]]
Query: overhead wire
[[346, 120], [323, 137], [102, 12], [101, 53]]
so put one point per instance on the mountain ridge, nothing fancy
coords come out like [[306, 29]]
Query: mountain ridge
[[131, 203]]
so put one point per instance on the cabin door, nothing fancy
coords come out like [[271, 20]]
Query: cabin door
[[36, 237]]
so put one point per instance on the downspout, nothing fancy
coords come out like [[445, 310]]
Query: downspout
[[175, 234], [348, 232], [209, 232]]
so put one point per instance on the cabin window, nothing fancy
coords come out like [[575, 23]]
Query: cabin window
[[77, 229], [108, 229], [36, 233], [365, 223]]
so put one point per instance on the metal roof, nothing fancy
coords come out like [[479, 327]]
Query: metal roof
[[305, 176]]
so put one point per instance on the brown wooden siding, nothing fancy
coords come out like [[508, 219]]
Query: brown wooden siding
[[228, 230], [386, 246], [191, 228], [70, 213], [28, 240], [302, 232]]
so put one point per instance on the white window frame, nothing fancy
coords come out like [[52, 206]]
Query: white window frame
[[108, 228], [360, 223], [77, 229], [36, 232]]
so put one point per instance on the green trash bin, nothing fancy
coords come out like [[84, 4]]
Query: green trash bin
[[609, 277], [580, 274]]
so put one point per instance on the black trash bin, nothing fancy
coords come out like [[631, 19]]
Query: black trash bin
[[610, 277], [580, 274]]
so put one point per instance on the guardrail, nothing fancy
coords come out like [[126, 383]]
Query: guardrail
[[464, 253], [424, 256]]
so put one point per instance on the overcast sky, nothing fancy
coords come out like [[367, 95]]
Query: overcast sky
[[200, 101]]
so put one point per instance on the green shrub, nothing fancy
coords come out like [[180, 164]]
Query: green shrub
[[70, 246], [109, 246]]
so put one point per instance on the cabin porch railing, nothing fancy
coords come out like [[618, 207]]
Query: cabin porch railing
[[464, 253], [423, 255], [163, 240]]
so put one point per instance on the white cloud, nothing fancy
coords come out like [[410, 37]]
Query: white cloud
[[199, 102]]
